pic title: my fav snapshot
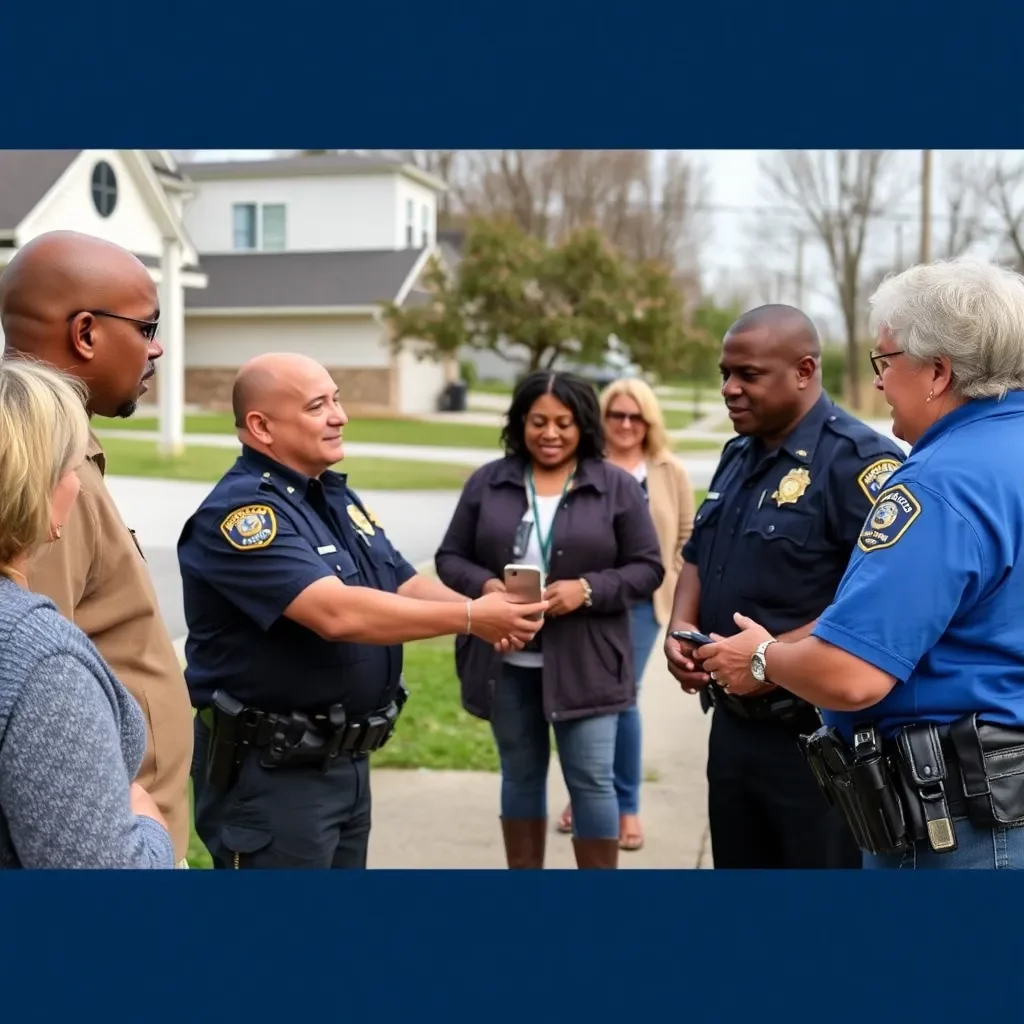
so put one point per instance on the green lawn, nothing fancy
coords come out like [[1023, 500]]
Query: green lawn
[[140, 458], [379, 431]]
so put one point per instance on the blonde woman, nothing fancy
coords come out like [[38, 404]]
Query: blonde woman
[[638, 443], [71, 737]]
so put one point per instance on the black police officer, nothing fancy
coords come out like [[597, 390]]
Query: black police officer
[[297, 605], [771, 541]]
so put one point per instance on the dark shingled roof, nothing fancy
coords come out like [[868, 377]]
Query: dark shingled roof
[[26, 175], [301, 279], [321, 163]]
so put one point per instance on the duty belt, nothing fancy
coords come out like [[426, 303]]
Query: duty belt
[[771, 707], [298, 738], [908, 789]]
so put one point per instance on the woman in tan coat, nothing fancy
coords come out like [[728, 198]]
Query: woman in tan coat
[[637, 442]]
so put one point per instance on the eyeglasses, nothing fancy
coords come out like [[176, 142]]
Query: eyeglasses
[[625, 417], [149, 327], [878, 360]]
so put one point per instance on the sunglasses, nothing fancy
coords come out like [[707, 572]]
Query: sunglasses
[[625, 417], [149, 327]]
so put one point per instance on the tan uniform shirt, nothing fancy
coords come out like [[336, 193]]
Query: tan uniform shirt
[[97, 577]]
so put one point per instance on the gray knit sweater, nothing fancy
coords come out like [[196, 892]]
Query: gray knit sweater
[[71, 741]]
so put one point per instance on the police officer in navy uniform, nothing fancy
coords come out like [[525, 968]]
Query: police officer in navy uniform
[[297, 605], [920, 659], [772, 540]]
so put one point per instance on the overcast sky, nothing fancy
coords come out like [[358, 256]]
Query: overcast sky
[[734, 257]]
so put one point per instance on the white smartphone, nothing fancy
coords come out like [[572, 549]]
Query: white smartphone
[[525, 582]]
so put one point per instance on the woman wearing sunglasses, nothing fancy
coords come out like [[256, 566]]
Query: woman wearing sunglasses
[[637, 442]]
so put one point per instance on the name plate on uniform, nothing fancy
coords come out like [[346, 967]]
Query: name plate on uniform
[[326, 549]]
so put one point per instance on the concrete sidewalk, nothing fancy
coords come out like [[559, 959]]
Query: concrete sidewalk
[[425, 819]]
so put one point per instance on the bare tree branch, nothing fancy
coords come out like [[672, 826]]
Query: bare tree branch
[[839, 194]]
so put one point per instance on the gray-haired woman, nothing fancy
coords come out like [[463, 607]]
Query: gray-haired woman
[[71, 737], [920, 659]]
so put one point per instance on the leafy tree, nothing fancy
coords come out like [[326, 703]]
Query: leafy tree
[[513, 293]]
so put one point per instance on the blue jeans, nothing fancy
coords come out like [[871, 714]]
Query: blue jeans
[[628, 763], [978, 848], [586, 750]]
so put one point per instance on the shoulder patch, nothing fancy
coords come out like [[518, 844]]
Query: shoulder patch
[[889, 520], [873, 479], [250, 527]]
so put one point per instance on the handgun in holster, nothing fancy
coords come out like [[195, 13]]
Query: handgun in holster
[[857, 782], [224, 750]]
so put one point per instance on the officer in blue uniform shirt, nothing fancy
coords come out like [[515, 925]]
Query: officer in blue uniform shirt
[[772, 540], [920, 659], [297, 605]]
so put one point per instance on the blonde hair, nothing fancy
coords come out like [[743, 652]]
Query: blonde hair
[[656, 442], [44, 429]]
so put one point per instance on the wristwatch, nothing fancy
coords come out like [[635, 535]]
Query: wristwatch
[[758, 666]]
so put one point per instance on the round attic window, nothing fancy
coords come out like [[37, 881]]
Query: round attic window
[[104, 188]]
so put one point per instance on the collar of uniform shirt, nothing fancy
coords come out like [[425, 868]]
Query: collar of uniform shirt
[[263, 465], [803, 439]]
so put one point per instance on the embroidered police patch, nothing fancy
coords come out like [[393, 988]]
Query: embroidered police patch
[[250, 528], [891, 517], [874, 478]]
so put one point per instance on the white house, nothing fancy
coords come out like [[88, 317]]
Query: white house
[[294, 255]]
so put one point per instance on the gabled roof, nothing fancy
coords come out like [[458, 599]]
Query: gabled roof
[[307, 166], [302, 280], [26, 175]]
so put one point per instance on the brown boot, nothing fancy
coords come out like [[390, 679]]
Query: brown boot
[[596, 853], [524, 842]]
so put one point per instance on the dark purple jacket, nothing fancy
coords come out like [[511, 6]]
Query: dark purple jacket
[[602, 531]]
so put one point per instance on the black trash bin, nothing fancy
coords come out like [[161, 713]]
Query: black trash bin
[[453, 397]]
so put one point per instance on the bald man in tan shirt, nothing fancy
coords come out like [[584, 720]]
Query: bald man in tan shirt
[[90, 308]]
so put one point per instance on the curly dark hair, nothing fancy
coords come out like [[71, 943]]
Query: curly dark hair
[[574, 393]]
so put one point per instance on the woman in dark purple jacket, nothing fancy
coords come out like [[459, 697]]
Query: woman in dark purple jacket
[[554, 502]]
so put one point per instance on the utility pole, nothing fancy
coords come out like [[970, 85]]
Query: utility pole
[[799, 269], [926, 205]]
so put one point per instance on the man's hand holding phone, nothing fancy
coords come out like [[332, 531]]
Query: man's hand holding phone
[[679, 647]]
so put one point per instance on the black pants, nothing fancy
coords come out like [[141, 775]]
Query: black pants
[[764, 807], [284, 817]]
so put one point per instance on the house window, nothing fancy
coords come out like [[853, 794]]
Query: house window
[[273, 228], [425, 224], [410, 224], [104, 188], [245, 225]]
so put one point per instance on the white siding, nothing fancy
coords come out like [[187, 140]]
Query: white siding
[[420, 383], [69, 207], [347, 212], [228, 341]]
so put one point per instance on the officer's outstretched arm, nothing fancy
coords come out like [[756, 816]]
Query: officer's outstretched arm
[[335, 611]]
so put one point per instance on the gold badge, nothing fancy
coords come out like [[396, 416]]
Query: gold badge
[[373, 519], [876, 476], [250, 528], [362, 523], [792, 486]]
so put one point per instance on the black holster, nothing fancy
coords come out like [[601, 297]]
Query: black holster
[[857, 781], [225, 746]]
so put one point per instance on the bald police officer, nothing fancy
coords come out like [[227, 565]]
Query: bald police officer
[[771, 541], [297, 605]]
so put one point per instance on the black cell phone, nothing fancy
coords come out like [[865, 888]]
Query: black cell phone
[[690, 636]]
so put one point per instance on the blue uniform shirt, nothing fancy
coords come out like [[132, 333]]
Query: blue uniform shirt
[[934, 594], [262, 536], [776, 531]]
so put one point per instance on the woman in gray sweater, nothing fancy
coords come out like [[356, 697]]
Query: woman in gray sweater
[[71, 737]]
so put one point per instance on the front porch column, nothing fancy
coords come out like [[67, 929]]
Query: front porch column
[[171, 367]]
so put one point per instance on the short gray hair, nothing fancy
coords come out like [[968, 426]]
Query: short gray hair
[[969, 311]]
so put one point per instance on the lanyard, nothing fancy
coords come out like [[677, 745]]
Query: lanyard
[[544, 543]]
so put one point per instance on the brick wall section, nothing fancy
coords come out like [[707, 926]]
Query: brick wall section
[[362, 389]]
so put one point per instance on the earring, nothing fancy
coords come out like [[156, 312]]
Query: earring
[[55, 532], [931, 395]]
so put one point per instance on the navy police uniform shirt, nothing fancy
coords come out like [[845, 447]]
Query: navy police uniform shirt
[[934, 594], [261, 537], [776, 531]]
